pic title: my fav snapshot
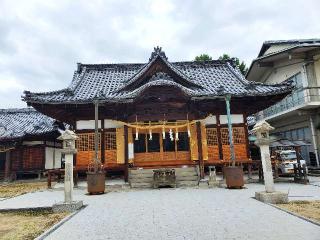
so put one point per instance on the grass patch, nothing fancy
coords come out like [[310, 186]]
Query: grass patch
[[8, 190], [27, 224], [308, 209]]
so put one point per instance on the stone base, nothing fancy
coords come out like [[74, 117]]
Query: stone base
[[274, 197], [67, 207], [213, 184], [203, 183]]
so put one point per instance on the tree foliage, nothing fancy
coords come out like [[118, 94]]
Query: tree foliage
[[203, 57], [241, 65]]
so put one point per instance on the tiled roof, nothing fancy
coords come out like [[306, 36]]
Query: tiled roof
[[113, 82], [17, 123], [274, 46]]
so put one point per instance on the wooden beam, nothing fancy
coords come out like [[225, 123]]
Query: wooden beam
[[201, 163], [126, 154]]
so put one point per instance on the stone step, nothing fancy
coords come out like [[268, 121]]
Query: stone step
[[178, 170], [186, 174], [189, 178], [141, 185], [187, 183], [184, 170], [141, 180], [178, 179], [141, 174]]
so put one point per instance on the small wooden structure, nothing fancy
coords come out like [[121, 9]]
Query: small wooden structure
[[28, 142], [58, 175], [159, 114]]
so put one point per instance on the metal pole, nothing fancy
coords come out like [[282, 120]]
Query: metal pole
[[314, 139], [96, 134], [227, 98]]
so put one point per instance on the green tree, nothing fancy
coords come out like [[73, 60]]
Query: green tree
[[241, 65], [203, 57]]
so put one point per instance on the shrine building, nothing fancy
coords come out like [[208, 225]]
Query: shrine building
[[28, 143], [159, 113]]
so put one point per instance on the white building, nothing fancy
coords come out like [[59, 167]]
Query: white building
[[297, 117]]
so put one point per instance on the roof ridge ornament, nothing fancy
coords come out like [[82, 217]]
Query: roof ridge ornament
[[160, 76], [157, 51]]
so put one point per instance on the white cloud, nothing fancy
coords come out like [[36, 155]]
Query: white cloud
[[10, 85], [41, 41]]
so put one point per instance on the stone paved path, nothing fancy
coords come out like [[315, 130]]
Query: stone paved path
[[180, 214]]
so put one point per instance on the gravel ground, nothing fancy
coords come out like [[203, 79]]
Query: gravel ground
[[179, 214]]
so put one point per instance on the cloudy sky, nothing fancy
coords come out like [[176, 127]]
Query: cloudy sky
[[41, 41]]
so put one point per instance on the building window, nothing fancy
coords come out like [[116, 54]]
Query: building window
[[140, 144], [110, 141], [154, 144], [212, 136], [85, 142], [238, 135], [183, 142], [296, 134]]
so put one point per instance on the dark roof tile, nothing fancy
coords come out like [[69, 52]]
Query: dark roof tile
[[110, 81], [16, 123]]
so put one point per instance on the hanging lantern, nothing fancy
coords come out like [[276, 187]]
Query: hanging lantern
[[163, 133], [177, 134], [137, 134], [150, 134]]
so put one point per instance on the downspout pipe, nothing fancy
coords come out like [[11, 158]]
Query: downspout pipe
[[314, 139], [227, 99], [96, 135]]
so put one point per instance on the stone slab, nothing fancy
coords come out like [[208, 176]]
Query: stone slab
[[203, 183], [273, 198], [67, 207], [213, 184]]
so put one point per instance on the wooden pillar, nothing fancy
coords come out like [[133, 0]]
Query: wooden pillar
[[126, 153], [201, 163], [103, 144], [7, 170], [219, 138], [96, 135], [21, 157], [74, 155], [246, 135]]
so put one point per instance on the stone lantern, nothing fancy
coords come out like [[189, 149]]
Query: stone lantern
[[261, 129], [68, 138], [68, 149]]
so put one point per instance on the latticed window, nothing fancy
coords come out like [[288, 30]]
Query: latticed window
[[212, 137], [239, 136], [224, 136], [85, 142], [110, 140]]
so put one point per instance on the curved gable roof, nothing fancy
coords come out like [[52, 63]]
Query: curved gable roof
[[123, 82]]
